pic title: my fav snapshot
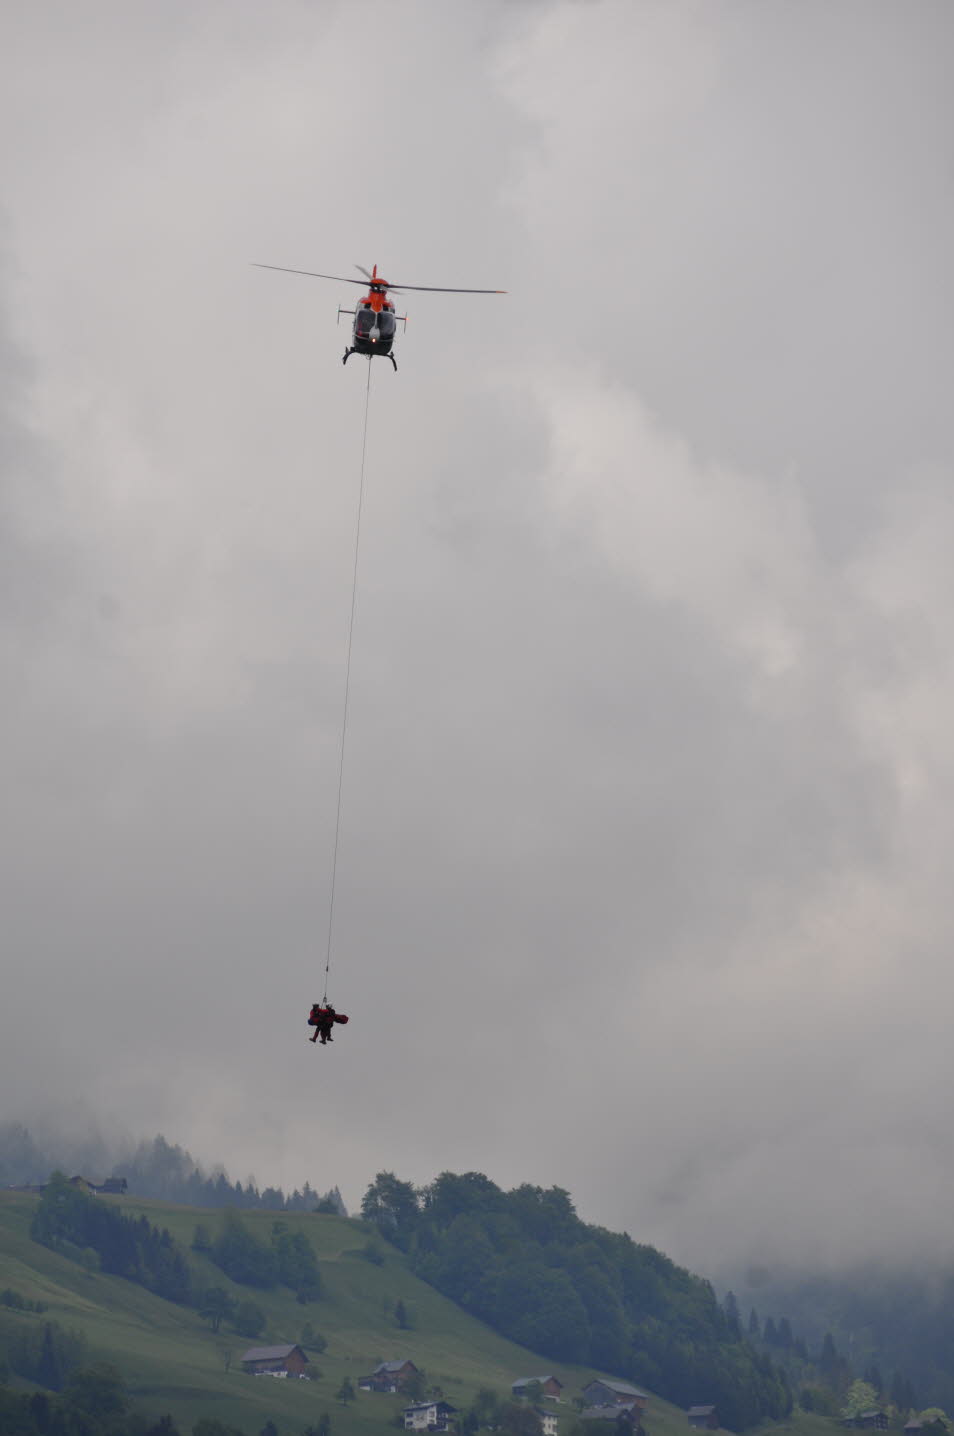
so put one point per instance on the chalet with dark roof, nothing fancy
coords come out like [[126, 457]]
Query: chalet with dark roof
[[550, 1385], [112, 1187], [703, 1418], [613, 1393], [388, 1376], [867, 1421], [275, 1361]]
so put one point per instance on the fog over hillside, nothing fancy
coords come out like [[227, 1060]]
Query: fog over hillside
[[643, 880]]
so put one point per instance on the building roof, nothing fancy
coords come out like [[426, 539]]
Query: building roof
[[394, 1366], [429, 1406], [271, 1353], [868, 1415], [700, 1411], [525, 1380]]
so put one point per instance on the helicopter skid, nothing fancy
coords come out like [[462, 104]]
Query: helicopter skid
[[371, 354]]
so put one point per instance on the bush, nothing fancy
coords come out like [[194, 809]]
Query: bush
[[249, 1319]]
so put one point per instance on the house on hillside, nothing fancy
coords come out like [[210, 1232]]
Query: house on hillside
[[703, 1418], [428, 1416], [549, 1385], [912, 1428], [112, 1187], [613, 1393], [549, 1421], [867, 1421], [389, 1376], [275, 1361]]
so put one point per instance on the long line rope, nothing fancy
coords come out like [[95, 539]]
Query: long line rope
[[347, 687]]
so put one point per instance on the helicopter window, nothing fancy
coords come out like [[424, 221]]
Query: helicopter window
[[386, 323], [364, 321]]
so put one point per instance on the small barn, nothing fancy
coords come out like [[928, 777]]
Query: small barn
[[613, 1393], [389, 1376], [275, 1361], [549, 1385], [703, 1418]]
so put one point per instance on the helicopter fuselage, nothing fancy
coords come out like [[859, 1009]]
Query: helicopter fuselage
[[375, 324]]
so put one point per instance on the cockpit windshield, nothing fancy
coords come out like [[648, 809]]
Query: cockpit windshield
[[386, 323], [364, 321]]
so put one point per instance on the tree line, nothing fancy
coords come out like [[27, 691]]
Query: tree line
[[155, 1169], [899, 1323], [525, 1263], [823, 1378]]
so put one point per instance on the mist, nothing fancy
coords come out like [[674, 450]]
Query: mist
[[642, 884]]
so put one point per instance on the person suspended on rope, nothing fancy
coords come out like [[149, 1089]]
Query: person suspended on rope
[[322, 1018]]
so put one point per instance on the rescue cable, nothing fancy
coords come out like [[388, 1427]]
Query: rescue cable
[[347, 686]]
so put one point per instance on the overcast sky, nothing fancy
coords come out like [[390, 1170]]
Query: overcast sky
[[644, 882]]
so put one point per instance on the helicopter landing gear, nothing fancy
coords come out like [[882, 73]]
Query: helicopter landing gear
[[348, 353]]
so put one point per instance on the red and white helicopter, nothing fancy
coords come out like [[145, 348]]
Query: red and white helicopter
[[375, 320]]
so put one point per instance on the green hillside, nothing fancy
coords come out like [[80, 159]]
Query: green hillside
[[172, 1361]]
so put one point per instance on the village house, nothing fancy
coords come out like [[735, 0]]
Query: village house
[[428, 1416], [275, 1361], [613, 1393], [704, 1418], [549, 1421], [112, 1187], [912, 1428], [549, 1385], [389, 1377], [867, 1421]]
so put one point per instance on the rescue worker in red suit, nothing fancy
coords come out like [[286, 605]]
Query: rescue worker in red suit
[[322, 1020]]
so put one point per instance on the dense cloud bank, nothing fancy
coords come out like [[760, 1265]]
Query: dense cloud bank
[[642, 878]]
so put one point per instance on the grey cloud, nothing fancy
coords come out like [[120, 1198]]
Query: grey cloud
[[645, 799]]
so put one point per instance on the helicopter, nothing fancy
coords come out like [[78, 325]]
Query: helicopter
[[375, 319]]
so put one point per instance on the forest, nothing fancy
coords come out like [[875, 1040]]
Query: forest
[[525, 1263]]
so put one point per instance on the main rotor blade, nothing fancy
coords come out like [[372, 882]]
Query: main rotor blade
[[366, 272], [442, 289], [339, 278]]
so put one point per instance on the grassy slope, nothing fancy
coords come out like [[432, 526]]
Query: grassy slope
[[172, 1362]]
